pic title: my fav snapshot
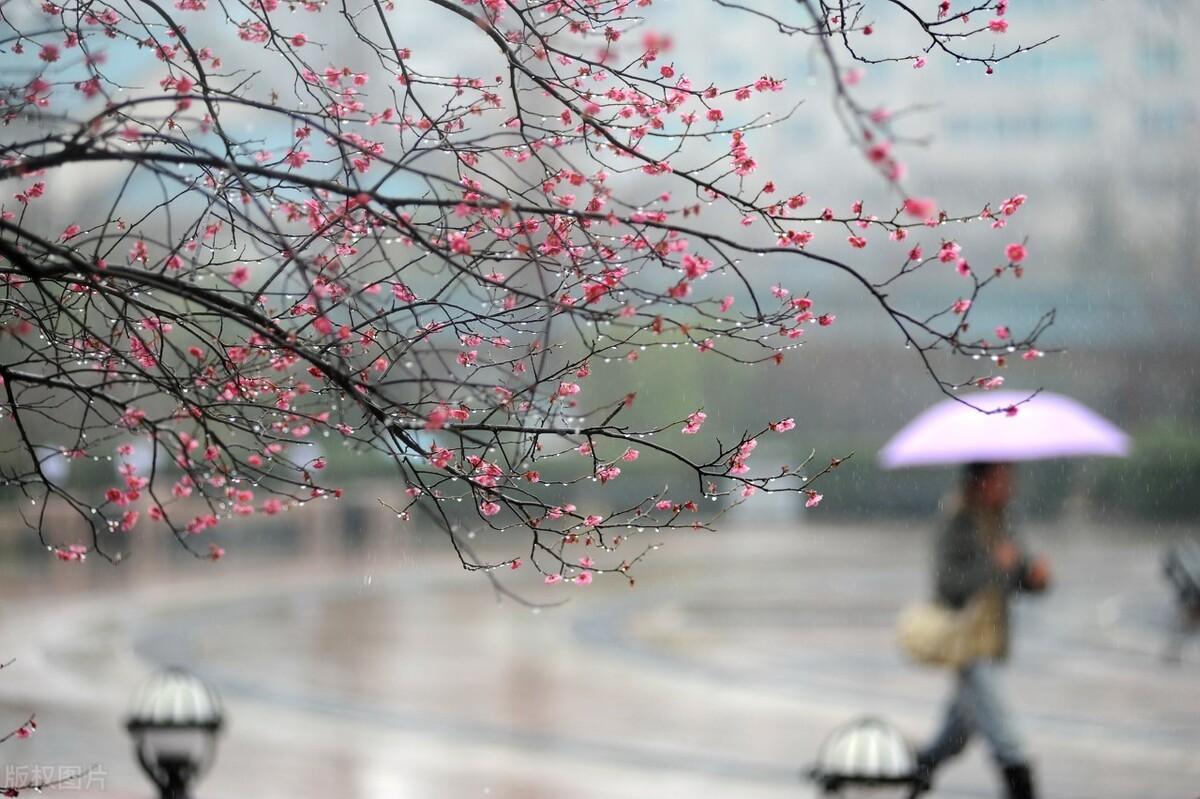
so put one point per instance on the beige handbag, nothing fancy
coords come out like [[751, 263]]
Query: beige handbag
[[937, 635]]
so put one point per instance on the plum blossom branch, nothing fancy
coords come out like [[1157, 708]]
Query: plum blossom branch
[[453, 271]]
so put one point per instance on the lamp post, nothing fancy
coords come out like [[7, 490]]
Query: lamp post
[[868, 754], [174, 720]]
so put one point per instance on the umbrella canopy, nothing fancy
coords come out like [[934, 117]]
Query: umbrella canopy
[[1048, 426]]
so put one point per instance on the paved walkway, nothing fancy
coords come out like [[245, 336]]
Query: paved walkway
[[719, 675]]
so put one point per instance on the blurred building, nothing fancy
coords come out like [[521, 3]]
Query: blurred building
[[1098, 127]]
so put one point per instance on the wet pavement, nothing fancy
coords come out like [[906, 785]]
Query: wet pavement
[[392, 673]]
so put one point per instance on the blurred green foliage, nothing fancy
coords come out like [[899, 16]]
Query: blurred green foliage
[[1161, 480]]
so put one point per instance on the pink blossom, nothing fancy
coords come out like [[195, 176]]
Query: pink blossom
[[783, 425], [201, 523], [551, 579], [606, 473], [814, 499], [960, 306], [139, 253], [630, 455], [74, 552], [132, 417], [459, 244], [437, 418], [240, 276], [693, 423], [593, 520], [440, 457], [489, 508], [1015, 253], [583, 578], [1010, 206], [920, 208], [1002, 332], [998, 25], [695, 267], [949, 252]]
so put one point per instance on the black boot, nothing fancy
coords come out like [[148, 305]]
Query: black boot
[[1019, 780], [923, 774]]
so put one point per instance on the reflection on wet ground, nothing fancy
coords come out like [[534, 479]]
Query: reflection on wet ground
[[717, 675]]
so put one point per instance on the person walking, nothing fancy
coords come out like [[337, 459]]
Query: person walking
[[977, 560]]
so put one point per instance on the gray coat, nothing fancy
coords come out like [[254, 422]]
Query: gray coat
[[964, 566]]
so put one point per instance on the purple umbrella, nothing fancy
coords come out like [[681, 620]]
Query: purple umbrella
[[1048, 426]]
